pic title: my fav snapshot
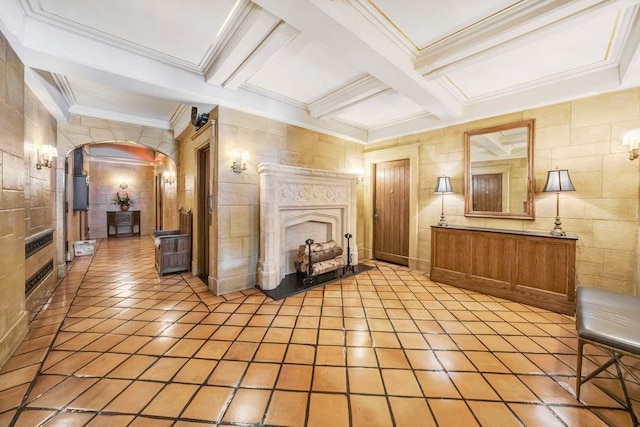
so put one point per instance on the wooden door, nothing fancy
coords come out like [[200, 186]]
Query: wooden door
[[487, 192], [204, 211], [391, 212], [159, 201]]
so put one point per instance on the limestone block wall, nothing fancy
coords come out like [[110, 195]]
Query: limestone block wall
[[27, 198], [238, 196], [583, 136], [235, 222], [82, 130], [13, 318], [105, 179]]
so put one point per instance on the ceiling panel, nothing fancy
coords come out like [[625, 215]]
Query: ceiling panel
[[303, 71], [96, 95], [381, 110], [427, 21], [582, 45], [182, 30]]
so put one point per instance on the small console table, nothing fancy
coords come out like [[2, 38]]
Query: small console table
[[529, 267], [123, 223]]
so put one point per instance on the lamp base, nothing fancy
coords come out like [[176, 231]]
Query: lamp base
[[442, 222], [557, 229]]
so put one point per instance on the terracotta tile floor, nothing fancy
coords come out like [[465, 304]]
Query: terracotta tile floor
[[116, 345]]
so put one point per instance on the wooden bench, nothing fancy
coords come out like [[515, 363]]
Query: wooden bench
[[611, 321], [173, 247]]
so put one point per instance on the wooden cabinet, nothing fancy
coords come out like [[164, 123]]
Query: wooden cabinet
[[123, 223], [529, 267]]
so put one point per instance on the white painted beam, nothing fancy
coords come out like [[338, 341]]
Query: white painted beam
[[47, 92], [347, 96], [364, 47], [278, 38], [630, 53], [77, 56], [250, 26], [529, 21]]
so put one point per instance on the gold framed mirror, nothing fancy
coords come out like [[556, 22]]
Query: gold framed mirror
[[499, 176]]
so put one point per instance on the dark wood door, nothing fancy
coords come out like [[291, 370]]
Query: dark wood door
[[204, 211], [487, 192], [391, 212], [159, 201]]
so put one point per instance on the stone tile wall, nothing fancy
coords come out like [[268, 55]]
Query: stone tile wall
[[238, 196], [105, 179], [13, 317], [583, 136]]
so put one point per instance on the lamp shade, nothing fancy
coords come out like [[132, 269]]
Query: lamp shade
[[443, 185], [558, 180]]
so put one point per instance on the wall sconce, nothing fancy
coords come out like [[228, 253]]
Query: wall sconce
[[443, 186], [45, 155], [632, 140], [239, 160], [124, 185], [558, 180], [360, 173], [169, 177]]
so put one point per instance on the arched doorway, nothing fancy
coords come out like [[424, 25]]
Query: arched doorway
[[105, 143]]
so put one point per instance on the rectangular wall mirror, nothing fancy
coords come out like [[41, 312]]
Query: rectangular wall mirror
[[499, 179]]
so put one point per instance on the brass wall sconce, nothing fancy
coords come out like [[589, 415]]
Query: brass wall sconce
[[443, 186], [239, 160], [558, 180], [360, 173], [632, 140], [45, 155], [169, 177]]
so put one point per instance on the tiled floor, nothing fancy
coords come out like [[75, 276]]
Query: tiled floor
[[116, 345]]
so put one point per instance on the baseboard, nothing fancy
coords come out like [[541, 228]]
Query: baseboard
[[13, 338]]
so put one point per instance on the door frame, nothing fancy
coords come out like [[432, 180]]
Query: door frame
[[411, 152]]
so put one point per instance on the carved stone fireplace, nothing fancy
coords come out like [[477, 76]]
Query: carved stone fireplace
[[298, 203]]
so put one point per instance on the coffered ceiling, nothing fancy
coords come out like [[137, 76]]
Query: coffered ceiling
[[360, 69]]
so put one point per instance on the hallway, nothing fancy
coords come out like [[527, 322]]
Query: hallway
[[115, 345]]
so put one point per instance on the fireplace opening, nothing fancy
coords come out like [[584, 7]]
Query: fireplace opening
[[297, 234]]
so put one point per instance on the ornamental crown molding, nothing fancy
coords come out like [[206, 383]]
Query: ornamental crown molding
[[284, 170]]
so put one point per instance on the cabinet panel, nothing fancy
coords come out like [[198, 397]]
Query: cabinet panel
[[123, 223], [528, 267]]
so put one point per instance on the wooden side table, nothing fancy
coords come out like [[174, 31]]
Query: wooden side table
[[123, 223]]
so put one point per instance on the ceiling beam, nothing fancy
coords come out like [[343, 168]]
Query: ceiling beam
[[364, 47], [45, 89], [526, 23], [630, 53], [245, 29], [86, 58], [347, 96], [278, 38]]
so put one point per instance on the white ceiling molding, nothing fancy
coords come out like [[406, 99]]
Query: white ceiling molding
[[279, 37], [363, 46], [181, 119], [34, 11], [369, 13], [446, 57], [355, 92], [341, 67], [630, 51], [487, 33], [118, 117], [45, 90], [243, 32]]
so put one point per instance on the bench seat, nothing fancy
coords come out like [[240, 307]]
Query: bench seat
[[611, 321]]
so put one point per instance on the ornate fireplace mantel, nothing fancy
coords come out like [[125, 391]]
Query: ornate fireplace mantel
[[292, 195]]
